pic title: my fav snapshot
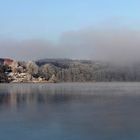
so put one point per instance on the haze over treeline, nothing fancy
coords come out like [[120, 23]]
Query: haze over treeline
[[115, 45]]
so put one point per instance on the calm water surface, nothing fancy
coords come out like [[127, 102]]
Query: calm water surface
[[71, 111]]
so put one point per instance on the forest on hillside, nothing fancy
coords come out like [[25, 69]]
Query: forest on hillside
[[87, 71], [66, 70]]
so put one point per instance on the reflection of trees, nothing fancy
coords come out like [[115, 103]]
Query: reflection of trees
[[14, 99], [33, 94]]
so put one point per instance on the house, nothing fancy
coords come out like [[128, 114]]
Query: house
[[8, 61]]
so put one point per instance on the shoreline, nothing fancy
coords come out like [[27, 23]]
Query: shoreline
[[47, 82]]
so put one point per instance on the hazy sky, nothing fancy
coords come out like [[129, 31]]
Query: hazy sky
[[56, 28], [49, 18]]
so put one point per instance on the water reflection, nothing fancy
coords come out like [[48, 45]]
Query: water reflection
[[30, 94], [15, 95], [70, 111]]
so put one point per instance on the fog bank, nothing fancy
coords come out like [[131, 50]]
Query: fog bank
[[115, 45]]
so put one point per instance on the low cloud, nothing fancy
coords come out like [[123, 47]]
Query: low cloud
[[116, 45]]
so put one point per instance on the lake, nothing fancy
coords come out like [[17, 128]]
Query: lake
[[70, 111]]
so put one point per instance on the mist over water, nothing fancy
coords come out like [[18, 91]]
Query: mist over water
[[120, 45], [81, 111]]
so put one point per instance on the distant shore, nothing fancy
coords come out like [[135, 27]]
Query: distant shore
[[66, 70]]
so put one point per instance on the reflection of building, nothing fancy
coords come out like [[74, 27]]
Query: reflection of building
[[30, 95], [19, 95]]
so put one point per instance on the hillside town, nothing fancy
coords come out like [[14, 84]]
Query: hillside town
[[21, 72]]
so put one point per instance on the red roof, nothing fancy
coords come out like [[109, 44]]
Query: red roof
[[8, 61]]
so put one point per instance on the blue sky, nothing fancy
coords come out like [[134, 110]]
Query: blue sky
[[48, 19]]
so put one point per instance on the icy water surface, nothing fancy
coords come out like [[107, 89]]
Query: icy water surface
[[70, 111]]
